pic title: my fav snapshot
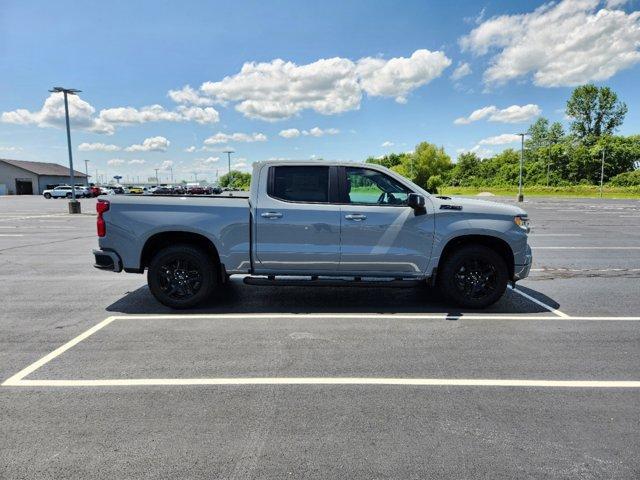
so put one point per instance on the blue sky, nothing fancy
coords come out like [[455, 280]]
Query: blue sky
[[298, 80]]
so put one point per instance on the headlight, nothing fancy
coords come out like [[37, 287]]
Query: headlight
[[522, 221]]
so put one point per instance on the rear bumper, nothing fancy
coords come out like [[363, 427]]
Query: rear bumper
[[107, 260], [522, 271]]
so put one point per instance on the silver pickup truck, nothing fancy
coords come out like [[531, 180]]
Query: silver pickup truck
[[312, 223]]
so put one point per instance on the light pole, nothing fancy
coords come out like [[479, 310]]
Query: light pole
[[602, 172], [74, 205], [229, 151], [86, 170], [157, 181], [520, 194], [171, 170], [549, 163]]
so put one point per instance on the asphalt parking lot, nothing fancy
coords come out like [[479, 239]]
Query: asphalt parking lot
[[289, 382]]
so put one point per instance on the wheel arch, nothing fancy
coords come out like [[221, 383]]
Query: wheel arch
[[498, 245], [161, 240]]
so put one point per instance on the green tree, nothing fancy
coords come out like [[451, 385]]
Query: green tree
[[556, 133], [465, 171], [595, 111], [236, 179], [538, 134], [426, 161], [541, 134], [434, 183], [390, 160]]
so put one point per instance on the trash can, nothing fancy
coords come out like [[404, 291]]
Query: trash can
[[74, 206]]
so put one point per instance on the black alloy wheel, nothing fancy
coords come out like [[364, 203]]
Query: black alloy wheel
[[476, 278], [473, 276], [182, 276]]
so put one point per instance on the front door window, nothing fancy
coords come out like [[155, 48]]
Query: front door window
[[370, 187]]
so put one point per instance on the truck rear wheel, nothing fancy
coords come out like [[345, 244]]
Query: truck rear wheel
[[181, 276], [473, 276]]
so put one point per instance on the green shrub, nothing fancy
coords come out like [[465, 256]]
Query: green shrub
[[626, 179]]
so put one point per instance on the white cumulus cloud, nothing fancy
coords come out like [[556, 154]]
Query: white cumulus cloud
[[116, 162], [397, 77], [52, 114], [239, 166], [280, 89], [461, 71], [157, 113], [319, 132], [189, 96], [137, 161], [98, 147], [152, 144], [166, 165], [10, 149], [221, 137], [387, 144], [289, 133], [199, 115], [512, 114], [500, 139], [560, 44]]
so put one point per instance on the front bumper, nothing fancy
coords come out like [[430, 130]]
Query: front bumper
[[522, 270], [107, 260]]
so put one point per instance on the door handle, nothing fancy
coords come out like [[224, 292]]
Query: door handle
[[271, 215], [356, 217]]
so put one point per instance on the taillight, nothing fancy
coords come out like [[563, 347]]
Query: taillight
[[101, 207]]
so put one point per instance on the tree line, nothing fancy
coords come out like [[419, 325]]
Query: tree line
[[552, 156]]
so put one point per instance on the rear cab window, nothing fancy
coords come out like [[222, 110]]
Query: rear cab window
[[306, 184]]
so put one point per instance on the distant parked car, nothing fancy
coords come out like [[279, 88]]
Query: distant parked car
[[136, 190], [118, 190], [86, 191], [216, 190], [196, 190], [64, 191], [163, 191]]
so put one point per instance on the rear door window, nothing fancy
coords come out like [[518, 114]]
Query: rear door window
[[308, 184]]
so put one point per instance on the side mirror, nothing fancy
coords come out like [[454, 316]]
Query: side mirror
[[416, 201]]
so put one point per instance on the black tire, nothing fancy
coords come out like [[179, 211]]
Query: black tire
[[473, 276], [182, 276], [69, 195], [47, 196]]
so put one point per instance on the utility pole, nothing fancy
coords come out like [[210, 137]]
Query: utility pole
[[74, 205], [86, 170], [157, 181], [602, 172], [520, 194], [195, 176], [171, 170]]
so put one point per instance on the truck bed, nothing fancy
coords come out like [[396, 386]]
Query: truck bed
[[132, 220]]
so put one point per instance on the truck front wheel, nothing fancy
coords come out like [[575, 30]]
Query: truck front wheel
[[181, 276], [473, 276]]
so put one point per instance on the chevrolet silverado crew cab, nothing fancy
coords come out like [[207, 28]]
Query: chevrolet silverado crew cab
[[312, 223]]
